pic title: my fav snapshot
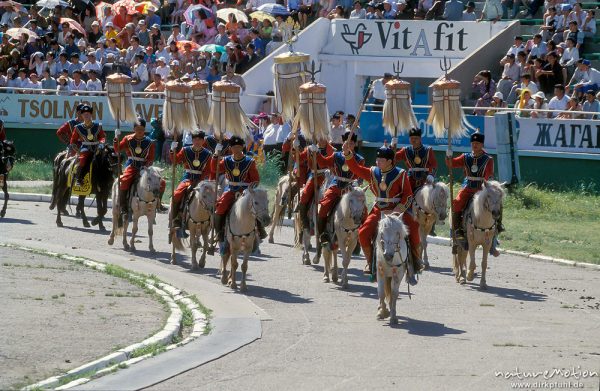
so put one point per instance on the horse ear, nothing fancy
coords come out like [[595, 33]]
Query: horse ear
[[485, 183], [160, 170], [382, 216]]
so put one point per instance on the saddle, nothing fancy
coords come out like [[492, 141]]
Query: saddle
[[86, 187]]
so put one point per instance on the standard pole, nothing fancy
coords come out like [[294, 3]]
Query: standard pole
[[360, 110], [172, 214], [451, 178], [316, 203], [212, 221]]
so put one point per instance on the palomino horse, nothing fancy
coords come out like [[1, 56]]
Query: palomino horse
[[200, 207], [429, 207], [392, 260], [281, 203], [7, 161], [240, 232], [479, 224], [102, 165], [343, 226], [143, 201]]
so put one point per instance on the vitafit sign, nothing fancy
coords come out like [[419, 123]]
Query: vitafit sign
[[409, 38]]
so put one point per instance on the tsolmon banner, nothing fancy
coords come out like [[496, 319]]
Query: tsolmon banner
[[53, 110], [559, 135], [409, 38]]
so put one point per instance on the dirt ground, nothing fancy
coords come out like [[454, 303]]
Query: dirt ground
[[57, 315]]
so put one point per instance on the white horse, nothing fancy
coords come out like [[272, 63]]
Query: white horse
[[479, 224], [430, 206], [343, 227], [392, 258], [303, 234], [281, 204], [144, 201], [240, 232], [200, 208]]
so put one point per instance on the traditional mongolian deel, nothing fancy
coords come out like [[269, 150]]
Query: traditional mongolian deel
[[419, 162]]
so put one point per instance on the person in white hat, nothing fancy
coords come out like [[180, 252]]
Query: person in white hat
[[94, 34], [497, 101], [143, 33], [162, 68], [540, 104]]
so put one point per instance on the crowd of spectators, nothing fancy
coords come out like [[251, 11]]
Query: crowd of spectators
[[547, 72]]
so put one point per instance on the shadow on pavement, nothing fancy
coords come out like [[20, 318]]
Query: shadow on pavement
[[10, 220], [275, 294], [91, 230], [441, 270], [511, 293], [425, 328]]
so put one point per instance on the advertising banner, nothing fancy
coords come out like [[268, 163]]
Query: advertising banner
[[559, 135]]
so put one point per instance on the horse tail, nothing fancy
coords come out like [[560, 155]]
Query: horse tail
[[177, 242], [298, 232]]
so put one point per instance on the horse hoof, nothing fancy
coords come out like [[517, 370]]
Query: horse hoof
[[232, 285], [86, 224], [462, 281], [102, 228], [483, 286], [307, 261], [470, 275], [394, 320], [243, 287], [59, 224], [345, 285], [426, 265], [194, 265], [383, 313], [152, 251], [315, 260], [224, 279], [325, 279], [173, 262], [125, 247], [271, 240], [334, 278], [111, 241], [2, 213], [95, 221]]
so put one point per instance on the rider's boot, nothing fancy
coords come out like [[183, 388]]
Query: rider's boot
[[499, 226], [261, 230], [176, 214], [123, 207], [220, 227], [161, 207], [322, 228], [79, 176], [303, 210], [369, 258], [457, 228]]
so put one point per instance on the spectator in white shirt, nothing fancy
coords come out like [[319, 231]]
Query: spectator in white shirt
[[469, 14], [539, 48], [337, 131], [510, 75], [77, 84], [540, 104], [32, 84], [590, 79], [133, 50], [63, 86], [139, 74], [93, 84], [358, 12], [275, 133], [92, 64], [515, 48], [106, 18], [589, 25], [176, 35], [162, 69], [559, 101], [526, 83], [378, 91]]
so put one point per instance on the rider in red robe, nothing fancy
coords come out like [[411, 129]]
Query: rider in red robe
[[86, 138]]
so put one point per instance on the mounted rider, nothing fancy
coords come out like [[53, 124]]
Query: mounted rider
[[196, 162], [418, 159], [478, 166], [65, 131], [299, 172], [308, 191], [241, 172], [391, 187], [139, 149], [342, 180], [87, 137]]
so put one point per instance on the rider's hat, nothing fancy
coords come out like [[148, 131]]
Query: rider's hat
[[347, 134], [415, 132], [477, 137], [198, 134], [79, 106], [236, 140], [140, 122], [386, 153], [85, 108]]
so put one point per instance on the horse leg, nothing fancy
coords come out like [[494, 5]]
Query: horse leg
[[243, 286], [395, 289], [6, 196], [486, 251], [125, 226], [151, 216], [234, 264], [81, 208], [193, 244], [472, 265], [113, 230], [327, 254], [346, 257], [205, 246], [134, 229], [224, 274], [305, 246], [382, 312], [274, 218], [334, 267], [424, 256]]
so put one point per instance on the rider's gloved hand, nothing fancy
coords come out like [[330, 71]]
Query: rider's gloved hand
[[174, 145], [117, 133], [313, 148], [430, 179]]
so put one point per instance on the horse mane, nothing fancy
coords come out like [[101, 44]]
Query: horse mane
[[478, 199], [345, 201], [392, 222], [427, 192], [204, 184]]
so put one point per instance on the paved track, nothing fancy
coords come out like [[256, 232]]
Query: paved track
[[535, 316]]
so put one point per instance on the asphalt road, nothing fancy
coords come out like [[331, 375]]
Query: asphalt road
[[534, 317]]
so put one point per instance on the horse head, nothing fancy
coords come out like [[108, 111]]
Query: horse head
[[391, 237], [205, 192], [356, 201], [494, 193], [260, 204], [440, 195], [150, 178]]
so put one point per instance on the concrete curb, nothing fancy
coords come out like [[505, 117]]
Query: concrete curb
[[538, 257], [34, 197], [121, 358]]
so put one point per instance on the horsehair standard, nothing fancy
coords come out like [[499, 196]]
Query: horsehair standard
[[289, 76], [226, 114], [178, 109], [120, 101], [397, 109], [313, 115], [451, 118], [200, 102]]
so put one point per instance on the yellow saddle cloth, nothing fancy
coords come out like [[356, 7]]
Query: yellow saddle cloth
[[86, 187]]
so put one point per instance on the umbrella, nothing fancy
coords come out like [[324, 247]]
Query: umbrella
[[16, 33], [212, 48], [274, 9], [189, 16], [261, 15], [51, 3], [223, 14], [130, 5], [181, 44], [10, 3], [100, 9], [74, 25], [143, 6]]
